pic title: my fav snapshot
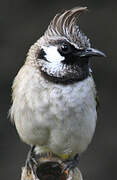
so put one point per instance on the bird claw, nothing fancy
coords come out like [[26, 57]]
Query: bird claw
[[71, 164], [31, 161]]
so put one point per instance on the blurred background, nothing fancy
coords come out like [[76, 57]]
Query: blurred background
[[22, 22]]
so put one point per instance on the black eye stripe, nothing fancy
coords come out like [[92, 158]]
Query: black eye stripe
[[65, 48]]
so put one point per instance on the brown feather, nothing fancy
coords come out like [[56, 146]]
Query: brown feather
[[65, 25]]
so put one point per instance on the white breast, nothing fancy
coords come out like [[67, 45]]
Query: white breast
[[61, 118]]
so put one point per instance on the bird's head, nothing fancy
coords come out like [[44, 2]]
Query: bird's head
[[64, 51]]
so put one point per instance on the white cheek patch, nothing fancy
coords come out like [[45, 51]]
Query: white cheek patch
[[52, 54]]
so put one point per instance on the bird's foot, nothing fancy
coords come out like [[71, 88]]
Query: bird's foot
[[31, 161], [71, 164]]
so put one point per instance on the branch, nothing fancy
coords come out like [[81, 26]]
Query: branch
[[50, 168]]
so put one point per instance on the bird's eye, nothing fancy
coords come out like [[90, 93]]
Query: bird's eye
[[65, 48]]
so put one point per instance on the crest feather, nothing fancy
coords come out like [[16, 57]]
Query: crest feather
[[65, 24]]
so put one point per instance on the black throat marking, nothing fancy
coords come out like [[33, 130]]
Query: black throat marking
[[63, 80], [68, 74]]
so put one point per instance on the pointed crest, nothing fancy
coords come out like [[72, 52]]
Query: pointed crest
[[65, 24]]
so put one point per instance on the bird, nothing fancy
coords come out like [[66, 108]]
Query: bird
[[54, 97]]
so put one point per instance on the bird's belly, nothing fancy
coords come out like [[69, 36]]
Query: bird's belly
[[74, 118], [61, 118], [73, 132]]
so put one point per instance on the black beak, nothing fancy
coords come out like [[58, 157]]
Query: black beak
[[91, 52]]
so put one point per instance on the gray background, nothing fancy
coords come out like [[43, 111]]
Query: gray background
[[22, 22]]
